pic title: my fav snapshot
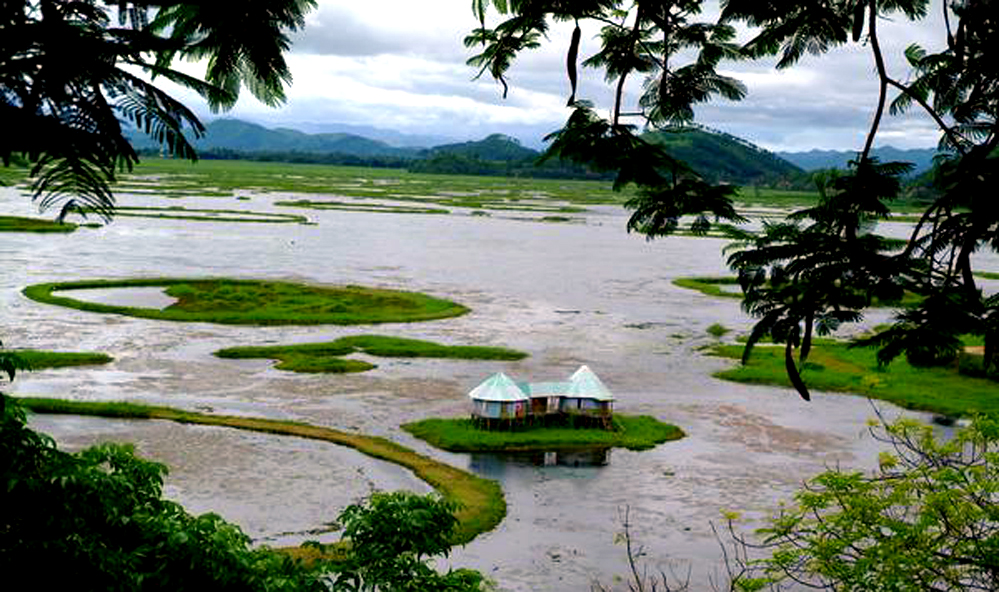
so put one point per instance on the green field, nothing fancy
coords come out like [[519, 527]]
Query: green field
[[254, 302]]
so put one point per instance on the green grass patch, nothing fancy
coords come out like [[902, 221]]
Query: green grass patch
[[327, 356], [258, 302], [20, 224], [988, 275], [481, 501], [40, 360], [833, 366], [634, 432]]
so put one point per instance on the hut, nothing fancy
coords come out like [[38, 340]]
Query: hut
[[546, 398], [498, 401], [582, 400], [588, 397]]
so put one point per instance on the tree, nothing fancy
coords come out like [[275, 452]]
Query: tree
[[927, 519], [823, 266], [72, 71], [391, 536]]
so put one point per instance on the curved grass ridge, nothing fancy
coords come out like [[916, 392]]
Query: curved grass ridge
[[259, 302], [634, 432], [481, 501], [326, 356]]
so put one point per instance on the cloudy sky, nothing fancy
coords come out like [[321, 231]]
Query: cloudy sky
[[400, 64]]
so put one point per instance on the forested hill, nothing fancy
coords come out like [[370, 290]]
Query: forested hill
[[494, 147], [723, 157], [716, 155]]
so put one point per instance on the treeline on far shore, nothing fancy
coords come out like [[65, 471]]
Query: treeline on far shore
[[445, 163]]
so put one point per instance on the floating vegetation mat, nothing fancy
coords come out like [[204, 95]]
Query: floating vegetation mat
[[258, 302], [327, 356], [206, 215]]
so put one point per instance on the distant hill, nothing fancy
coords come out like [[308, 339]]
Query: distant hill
[[723, 157], [390, 137], [496, 147], [234, 134], [827, 159]]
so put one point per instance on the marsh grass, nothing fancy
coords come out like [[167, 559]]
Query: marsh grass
[[207, 215], [327, 356], [833, 366], [20, 224], [552, 195], [718, 330], [257, 302], [40, 360], [360, 207], [712, 286], [481, 501], [639, 432]]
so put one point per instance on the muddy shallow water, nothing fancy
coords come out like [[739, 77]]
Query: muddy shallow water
[[567, 294]]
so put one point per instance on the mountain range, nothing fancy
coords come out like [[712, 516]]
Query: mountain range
[[718, 155]]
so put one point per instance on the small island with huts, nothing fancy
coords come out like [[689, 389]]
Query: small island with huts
[[581, 401], [513, 416]]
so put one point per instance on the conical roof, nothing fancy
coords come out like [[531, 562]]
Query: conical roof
[[498, 387], [586, 385]]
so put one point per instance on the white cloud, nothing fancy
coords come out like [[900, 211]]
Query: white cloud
[[401, 64]]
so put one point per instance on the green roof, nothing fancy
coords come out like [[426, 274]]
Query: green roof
[[498, 387]]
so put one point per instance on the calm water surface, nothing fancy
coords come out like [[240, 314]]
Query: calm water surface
[[568, 294]]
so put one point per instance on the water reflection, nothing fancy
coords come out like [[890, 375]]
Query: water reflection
[[493, 465]]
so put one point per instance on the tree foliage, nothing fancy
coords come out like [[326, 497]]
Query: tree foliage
[[823, 266], [391, 536], [927, 519], [72, 72]]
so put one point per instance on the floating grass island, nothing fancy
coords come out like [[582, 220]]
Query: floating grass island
[[327, 356], [481, 502], [834, 366], [258, 302], [20, 224], [634, 432]]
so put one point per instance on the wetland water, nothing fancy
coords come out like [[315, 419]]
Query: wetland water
[[567, 294]]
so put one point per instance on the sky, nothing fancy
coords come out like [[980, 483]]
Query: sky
[[400, 65]]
